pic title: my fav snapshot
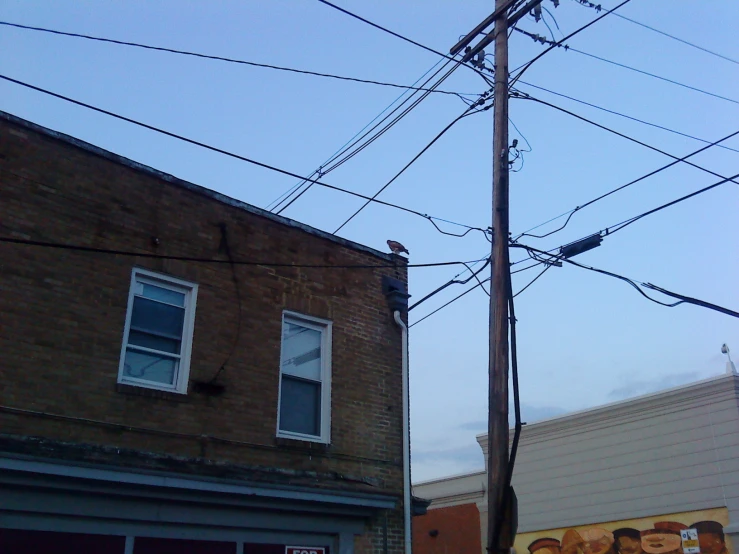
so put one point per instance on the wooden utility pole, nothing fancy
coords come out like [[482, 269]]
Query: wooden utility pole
[[498, 356], [500, 509]]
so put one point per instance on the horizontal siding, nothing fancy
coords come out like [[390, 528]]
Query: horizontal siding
[[674, 457], [672, 422]]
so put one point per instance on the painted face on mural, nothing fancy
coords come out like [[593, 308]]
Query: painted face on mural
[[597, 541], [629, 545], [711, 543], [661, 543]]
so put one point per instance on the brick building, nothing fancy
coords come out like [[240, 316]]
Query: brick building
[[161, 390]]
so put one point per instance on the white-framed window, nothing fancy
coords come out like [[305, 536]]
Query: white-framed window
[[157, 338], [304, 404]]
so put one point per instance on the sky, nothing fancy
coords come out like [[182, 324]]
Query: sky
[[584, 339]]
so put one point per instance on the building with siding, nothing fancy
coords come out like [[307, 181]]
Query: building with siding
[[183, 372], [623, 478]]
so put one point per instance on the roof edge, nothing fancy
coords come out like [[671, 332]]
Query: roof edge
[[620, 404], [192, 187]]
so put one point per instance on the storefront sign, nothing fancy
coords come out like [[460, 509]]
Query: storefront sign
[[305, 550], [690, 541]]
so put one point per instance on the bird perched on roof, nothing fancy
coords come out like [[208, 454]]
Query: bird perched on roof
[[396, 247]]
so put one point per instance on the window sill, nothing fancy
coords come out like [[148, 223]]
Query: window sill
[[133, 390], [305, 445]]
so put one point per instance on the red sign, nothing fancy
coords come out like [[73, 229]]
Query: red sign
[[305, 550]]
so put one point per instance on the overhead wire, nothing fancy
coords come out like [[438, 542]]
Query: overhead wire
[[480, 284], [677, 159], [352, 150], [558, 44], [521, 70], [614, 228], [571, 212], [227, 153], [130, 253], [276, 202], [464, 114], [632, 118], [548, 266], [635, 284], [598, 7], [225, 59], [455, 281], [406, 39]]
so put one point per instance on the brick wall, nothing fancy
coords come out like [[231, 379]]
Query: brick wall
[[62, 314], [454, 529]]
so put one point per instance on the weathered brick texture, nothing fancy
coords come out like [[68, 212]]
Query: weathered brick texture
[[62, 314]]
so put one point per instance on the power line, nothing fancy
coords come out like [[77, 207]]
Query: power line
[[597, 7], [654, 76], [287, 201], [224, 59], [635, 284], [567, 48], [237, 156], [521, 70], [570, 213], [450, 302], [586, 120], [108, 251], [411, 162], [406, 39], [627, 222], [455, 281], [632, 118], [346, 157], [279, 200], [543, 271]]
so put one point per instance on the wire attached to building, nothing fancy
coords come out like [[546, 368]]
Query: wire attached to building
[[480, 284], [147, 255]]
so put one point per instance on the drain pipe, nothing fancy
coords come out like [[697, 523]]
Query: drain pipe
[[406, 436], [397, 298]]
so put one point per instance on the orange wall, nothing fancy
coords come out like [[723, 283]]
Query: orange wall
[[458, 527]]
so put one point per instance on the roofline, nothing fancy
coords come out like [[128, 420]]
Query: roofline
[[450, 478], [625, 402], [192, 187]]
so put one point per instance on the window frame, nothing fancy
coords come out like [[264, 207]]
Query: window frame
[[325, 327], [190, 290]]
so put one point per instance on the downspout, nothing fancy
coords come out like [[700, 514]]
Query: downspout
[[406, 437]]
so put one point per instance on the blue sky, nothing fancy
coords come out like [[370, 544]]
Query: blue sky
[[584, 339]]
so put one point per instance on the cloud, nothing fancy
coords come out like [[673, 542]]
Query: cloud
[[529, 414], [637, 387]]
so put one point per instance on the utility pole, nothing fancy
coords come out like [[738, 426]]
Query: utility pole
[[498, 355], [499, 528]]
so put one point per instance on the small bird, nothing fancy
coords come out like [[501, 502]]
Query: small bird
[[397, 248]]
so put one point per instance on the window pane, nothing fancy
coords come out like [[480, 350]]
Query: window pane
[[300, 406], [143, 365], [157, 318], [152, 341], [301, 351], [165, 295]]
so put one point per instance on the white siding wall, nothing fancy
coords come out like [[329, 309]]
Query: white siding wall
[[670, 452]]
